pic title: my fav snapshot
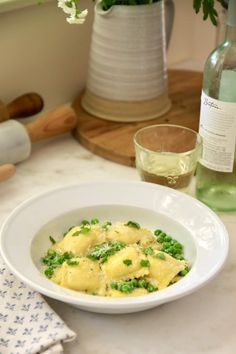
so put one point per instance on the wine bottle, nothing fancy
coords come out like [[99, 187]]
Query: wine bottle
[[216, 172]]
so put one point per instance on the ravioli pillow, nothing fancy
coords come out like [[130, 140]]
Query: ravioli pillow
[[117, 267]]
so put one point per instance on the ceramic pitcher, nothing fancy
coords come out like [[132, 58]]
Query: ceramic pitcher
[[127, 79]]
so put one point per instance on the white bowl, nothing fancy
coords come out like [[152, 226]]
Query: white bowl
[[24, 236]]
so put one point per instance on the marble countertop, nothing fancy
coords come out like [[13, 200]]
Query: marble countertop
[[203, 322]]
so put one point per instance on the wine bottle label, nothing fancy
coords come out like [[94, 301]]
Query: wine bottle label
[[218, 130]]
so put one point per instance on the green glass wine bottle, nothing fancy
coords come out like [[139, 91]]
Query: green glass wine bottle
[[216, 172]]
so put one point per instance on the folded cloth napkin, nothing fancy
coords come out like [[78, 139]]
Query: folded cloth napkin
[[27, 323]]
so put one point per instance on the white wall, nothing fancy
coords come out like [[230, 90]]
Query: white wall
[[41, 52], [192, 38]]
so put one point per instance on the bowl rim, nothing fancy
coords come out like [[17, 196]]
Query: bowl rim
[[177, 290]]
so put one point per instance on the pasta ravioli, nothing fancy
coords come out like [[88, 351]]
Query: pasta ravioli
[[117, 260]]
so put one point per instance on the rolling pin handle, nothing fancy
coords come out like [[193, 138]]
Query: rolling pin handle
[[7, 171], [58, 121], [25, 106]]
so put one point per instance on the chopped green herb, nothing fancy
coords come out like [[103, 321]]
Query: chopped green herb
[[52, 240], [133, 224], [127, 262], [94, 293], [76, 233], [145, 263], [161, 255], [72, 263], [105, 250], [106, 225], [148, 250], [49, 272], [70, 228], [84, 222], [84, 229], [53, 259]]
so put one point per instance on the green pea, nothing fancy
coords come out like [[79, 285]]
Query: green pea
[[167, 238], [171, 249], [162, 236], [114, 285], [145, 263], [94, 221], [166, 244], [151, 288], [127, 262], [179, 257], [161, 255], [125, 288], [148, 250], [178, 251], [174, 242], [184, 272], [142, 283], [178, 245], [157, 232], [134, 283]]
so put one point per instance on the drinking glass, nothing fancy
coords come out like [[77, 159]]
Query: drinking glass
[[167, 154]]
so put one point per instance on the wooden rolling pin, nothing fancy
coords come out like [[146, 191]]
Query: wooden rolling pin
[[16, 138], [21, 107], [6, 171]]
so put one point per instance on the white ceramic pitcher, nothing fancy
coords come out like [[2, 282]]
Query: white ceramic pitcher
[[127, 78]]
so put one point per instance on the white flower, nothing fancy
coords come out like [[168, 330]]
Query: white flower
[[70, 7], [75, 21], [67, 7], [83, 13]]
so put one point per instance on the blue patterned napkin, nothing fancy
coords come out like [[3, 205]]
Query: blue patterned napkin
[[27, 324]]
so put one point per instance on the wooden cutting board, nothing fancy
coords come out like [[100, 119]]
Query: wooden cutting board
[[114, 140]]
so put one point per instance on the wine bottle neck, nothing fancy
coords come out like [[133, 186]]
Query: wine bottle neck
[[230, 34], [231, 17]]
